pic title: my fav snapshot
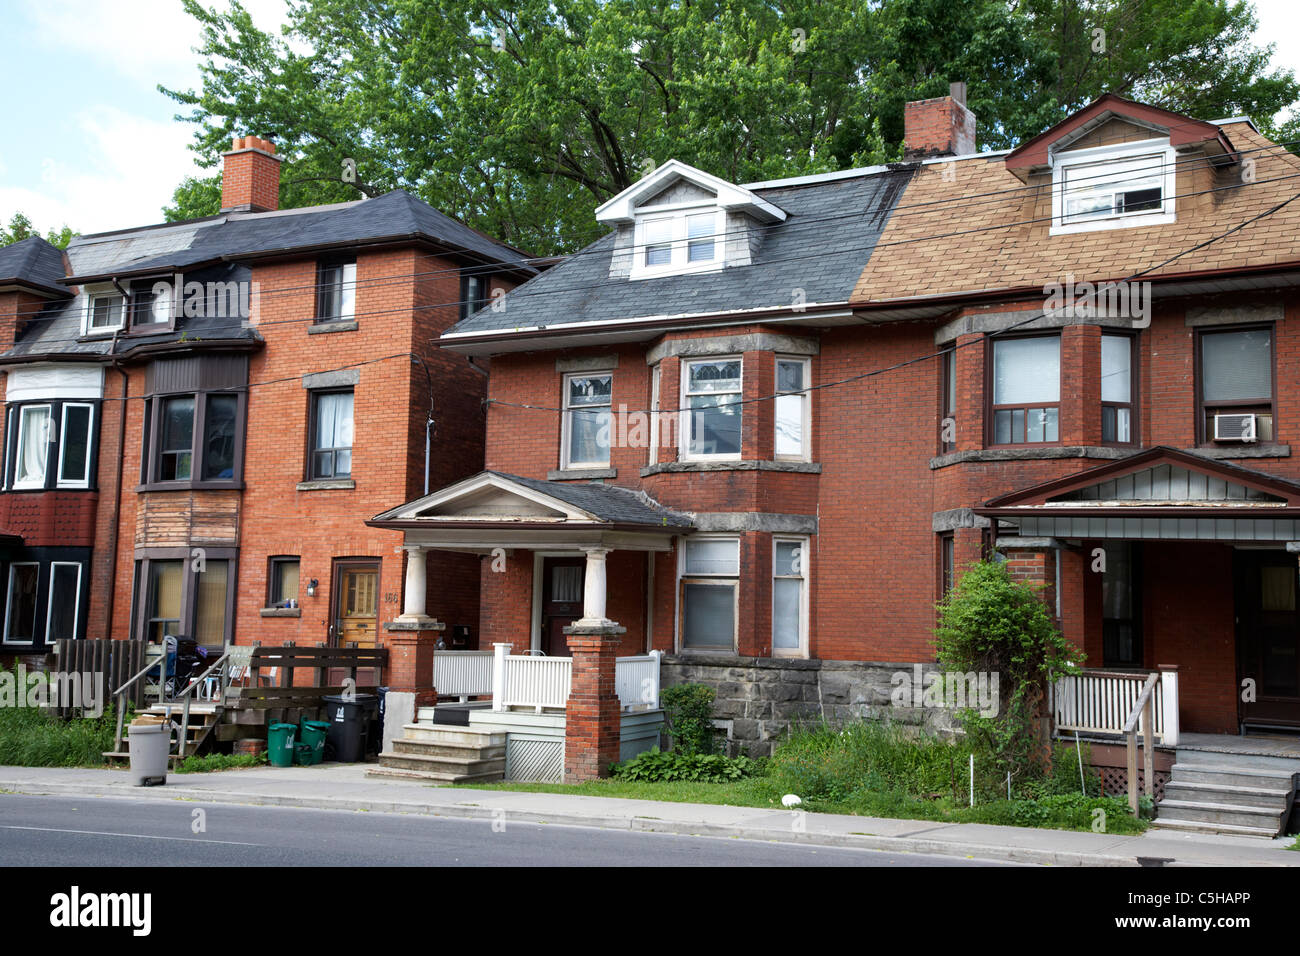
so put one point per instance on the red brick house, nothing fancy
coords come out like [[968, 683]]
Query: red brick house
[[200, 415], [851, 385]]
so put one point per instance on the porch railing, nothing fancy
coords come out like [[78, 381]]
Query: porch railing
[[1100, 702], [525, 680], [462, 674]]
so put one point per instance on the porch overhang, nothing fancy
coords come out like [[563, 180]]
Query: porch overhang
[[1157, 494]]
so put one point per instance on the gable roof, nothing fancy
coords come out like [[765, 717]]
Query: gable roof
[[730, 197], [34, 264], [830, 229]]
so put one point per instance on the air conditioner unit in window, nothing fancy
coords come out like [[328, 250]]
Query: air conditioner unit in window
[[1237, 426]]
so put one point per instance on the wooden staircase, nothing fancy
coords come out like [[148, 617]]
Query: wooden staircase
[[204, 718], [444, 753], [1241, 794]]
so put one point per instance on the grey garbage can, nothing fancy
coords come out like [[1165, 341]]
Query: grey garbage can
[[149, 746]]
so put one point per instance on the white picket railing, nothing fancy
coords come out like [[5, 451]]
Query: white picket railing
[[462, 674], [1099, 702], [524, 680]]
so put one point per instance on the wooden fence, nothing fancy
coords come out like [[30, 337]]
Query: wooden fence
[[106, 664]]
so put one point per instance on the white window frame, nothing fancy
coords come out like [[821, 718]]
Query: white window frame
[[676, 215], [804, 543], [566, 419], [49, 604], [654, 413], [91, 298], [1152, 149], [805, 400], [84, 481], [9, 592], [19, 484], [709, 580], [686, 422]]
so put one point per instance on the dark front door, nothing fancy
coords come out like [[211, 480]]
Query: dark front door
[[1268, 638], [561, 601]]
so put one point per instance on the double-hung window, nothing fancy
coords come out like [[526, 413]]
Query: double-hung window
[[1117, 389], [586, 420], [1236, 385], [1026, 390], [331, 435], [282, 581], [789, 597], [791, 411], [710, 573], [672, 242], [336, 291], [196, 438], [948, 400], [473, 292], [104, 313], [713, 411], [151, 305]]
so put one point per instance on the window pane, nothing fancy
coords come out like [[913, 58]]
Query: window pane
[[34, 443], [589, 436], [566, 583], [700, 232], [658, 234], [950, 382], [333, 431], [710, 556], [177, 439], [789, 376], [1237, 366], [163, 609], [75, 442], [789, 425], [106, 312], [219, 436], [210, 609], [284, 581], [789, 557], [786, 612], [65, 588], [714, 377], [1116, 371], [710, 617], [715, 425], [1026, 370], [590, 390], [22, 602]]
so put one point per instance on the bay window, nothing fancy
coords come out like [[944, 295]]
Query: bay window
[[44, 596], [713, 413], [586, 425], [791, 410], [50, 445], [1236, 385], [709, 578], [1117, 389], [183, 594], [33, 446], [20, 603], [1026, 390], [193, 438], [789, 597]]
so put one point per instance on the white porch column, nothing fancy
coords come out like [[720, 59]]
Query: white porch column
[[413, 604], [594, 590]]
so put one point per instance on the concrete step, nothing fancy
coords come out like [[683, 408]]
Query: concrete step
[[434, 776], [447, 765], [1271, 798], [429, 748], [1191, 826], [1220, 814], [1229, 775], [464, 736]]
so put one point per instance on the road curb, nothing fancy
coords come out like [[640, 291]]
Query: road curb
[[860, 841]]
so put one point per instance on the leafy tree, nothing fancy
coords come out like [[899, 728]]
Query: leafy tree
[[20, 228], [196, 197], [521, 118]]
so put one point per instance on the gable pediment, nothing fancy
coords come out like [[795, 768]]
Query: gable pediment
[[488, 498], [1166, 484]]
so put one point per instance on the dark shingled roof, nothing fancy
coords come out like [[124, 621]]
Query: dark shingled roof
[[607, 502], [33, 262], [822, 247]]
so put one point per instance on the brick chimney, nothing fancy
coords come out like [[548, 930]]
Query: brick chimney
[[939, 127], [250, 176]]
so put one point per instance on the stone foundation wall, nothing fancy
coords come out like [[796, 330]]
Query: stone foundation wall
[[760, 698]]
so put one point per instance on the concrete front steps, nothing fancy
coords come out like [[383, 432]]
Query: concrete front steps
[[1239, 794], [444, 754]]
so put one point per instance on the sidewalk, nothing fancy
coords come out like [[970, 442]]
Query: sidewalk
[[345, 787]]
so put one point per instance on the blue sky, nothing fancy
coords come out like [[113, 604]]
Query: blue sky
[[89, 142]]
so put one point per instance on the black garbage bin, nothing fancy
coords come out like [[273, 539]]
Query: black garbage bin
[[377, 727], [349, 719]]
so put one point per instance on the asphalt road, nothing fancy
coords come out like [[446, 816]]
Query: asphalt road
[[91, 831]]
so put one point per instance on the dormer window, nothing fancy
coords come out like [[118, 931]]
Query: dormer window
[[1113, 187], [681, 241], [104, 313], [151, 305]]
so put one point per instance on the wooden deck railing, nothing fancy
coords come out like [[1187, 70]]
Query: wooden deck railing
[[1099, 702], [526, 680]]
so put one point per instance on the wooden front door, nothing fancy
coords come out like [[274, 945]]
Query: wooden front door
[[355, 601], [1268, 638], [561, 601]]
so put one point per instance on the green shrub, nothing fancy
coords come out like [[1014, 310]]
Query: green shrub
[[31, 737], [211, 762], [688, 716], [655, 766], [992, 624]]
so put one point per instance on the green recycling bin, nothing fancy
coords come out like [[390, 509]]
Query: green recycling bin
[[302, 755], [279, 744], [313, 733]]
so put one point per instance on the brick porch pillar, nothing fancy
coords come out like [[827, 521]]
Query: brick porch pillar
[[592, 716]]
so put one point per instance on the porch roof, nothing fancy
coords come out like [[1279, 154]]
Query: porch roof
[[493, 509], [1157, 493]]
